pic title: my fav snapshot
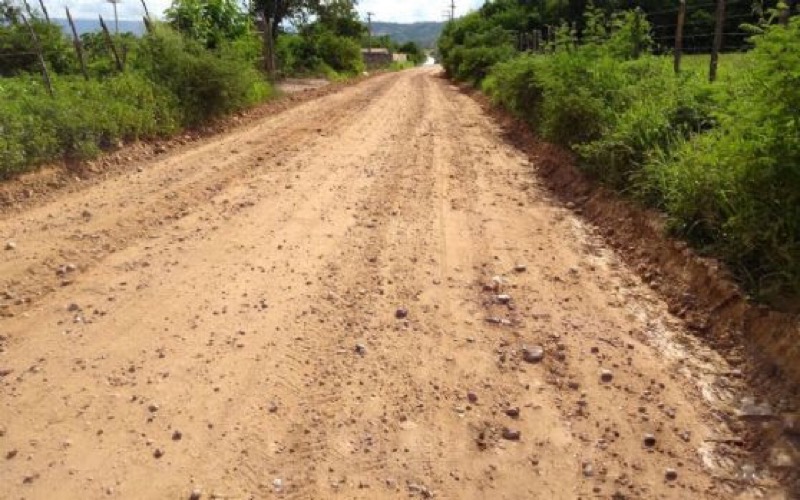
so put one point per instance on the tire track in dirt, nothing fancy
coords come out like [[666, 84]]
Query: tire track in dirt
[[164, 192], [237, 323]]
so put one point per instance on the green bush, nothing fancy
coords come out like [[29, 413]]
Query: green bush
[[722, 160], [736, 189], [318, 51], [206, 84], [17, 55], [84, 117], [170, 82], [341, 53]]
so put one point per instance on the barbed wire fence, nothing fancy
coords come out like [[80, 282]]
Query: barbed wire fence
[[24, 15], [707, 28]]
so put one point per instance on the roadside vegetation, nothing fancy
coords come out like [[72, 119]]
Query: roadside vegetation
[[204, 61], [721, 160]]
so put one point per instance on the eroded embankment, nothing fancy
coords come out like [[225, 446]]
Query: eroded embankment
[[763, 342]]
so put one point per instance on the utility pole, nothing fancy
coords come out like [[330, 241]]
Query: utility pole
[[369, 30], [116, 18], [452, 9]]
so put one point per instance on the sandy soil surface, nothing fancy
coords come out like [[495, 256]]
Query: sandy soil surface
[[368, 295]]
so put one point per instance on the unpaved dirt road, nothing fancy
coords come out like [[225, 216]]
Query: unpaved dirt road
[[223, 320]]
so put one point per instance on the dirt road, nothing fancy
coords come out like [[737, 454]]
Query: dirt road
[[225, 320]]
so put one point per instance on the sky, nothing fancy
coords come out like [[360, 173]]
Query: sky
[[400, 11]]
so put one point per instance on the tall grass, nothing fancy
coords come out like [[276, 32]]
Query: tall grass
[[170, 82], [722, 160]]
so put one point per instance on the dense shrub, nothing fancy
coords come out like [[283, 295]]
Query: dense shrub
[[318, 51], [17, 56], [169, 82], [722, 160], [342, 54], [737, 188], [207, 84], [84, 117]]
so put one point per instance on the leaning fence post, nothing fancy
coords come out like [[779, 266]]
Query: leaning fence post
[[679, 36], [76, 41], [38, 47], [719, 25], [111, 46], [44, 11]]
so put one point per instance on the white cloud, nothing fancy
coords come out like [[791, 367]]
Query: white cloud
[[407, 11], [402, 11], [90, 9]]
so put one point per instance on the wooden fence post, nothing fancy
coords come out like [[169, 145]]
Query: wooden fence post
[[76, 41], [679, 36], [637, 28], [38, 47], [146, 12], [111, 46], [719, 26], [28, 9], [44, 11], [786, 13]]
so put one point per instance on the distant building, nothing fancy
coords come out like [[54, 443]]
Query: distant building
[[377, 57], [400, 58]]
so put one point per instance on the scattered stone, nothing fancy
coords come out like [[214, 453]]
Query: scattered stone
[[511, 434], [177, 435], [533, 354], [751, 411], [277, 483], [196, 494], [649, 440], [361, 349], [791, 424], [670, 474], [152, 408], [588, 470], [419, 489], [158, 453], [472, 397], [401, 313], [498, 321], [512, 412], [606, 375], [73, 307], [503, 298], [11, 454], [747, 472], [781, 459], [520, 268], [11, 245], [273, 407]]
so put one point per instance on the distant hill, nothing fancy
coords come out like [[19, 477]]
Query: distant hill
[[424, 34], [90, 25]]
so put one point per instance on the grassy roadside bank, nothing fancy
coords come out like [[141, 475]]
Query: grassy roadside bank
[[721, 160]]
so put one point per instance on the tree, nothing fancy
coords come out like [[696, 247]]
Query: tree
[[209, 21], [279, 11]]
